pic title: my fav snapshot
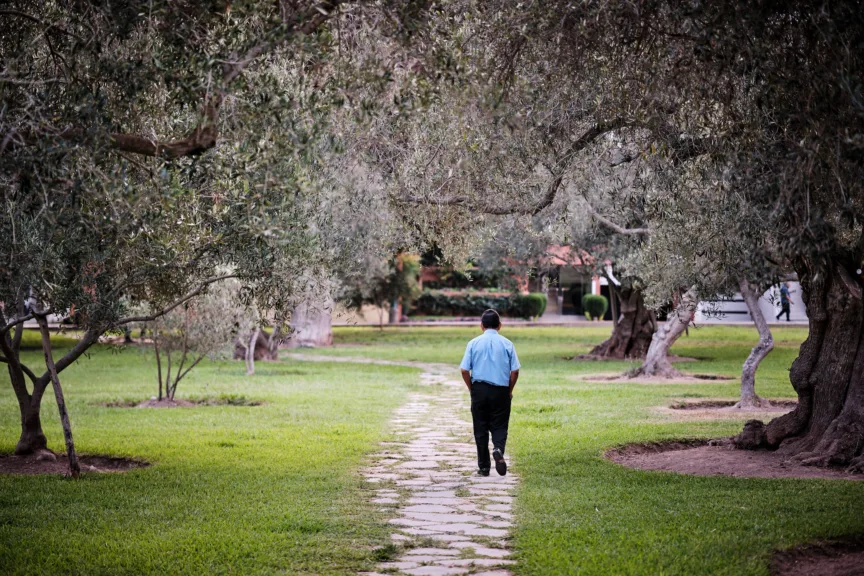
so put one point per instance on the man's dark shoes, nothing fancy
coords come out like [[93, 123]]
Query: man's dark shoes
[[500, 464], [483, 471]]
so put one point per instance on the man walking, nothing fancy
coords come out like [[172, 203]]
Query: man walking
[[490, 369], [785, 301]]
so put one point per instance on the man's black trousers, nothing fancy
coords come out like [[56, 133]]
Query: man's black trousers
[[490, 409]]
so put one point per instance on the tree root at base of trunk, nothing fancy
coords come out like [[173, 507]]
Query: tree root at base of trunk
[[756, 403], [660, 372], [827, 427]]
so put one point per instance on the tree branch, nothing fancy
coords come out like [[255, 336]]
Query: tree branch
[[23, 368], [203, 137], [195, 363], [175, 304], [613, 226], [14, 322], [561, 162], [48, 25], [90, 337], [532, 209]]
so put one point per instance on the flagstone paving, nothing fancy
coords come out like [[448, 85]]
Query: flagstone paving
[[446, 519]]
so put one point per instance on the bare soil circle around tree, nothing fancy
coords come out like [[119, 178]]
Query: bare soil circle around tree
[[844, 557], [226, 400], [46, 462], [619, 378], [718, 458], [600, 358], [723, 408]]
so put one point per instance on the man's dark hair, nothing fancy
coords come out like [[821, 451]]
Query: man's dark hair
[[490, 319]]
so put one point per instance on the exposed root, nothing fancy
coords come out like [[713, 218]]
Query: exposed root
[[814, 459], [752, 437], [856, 466], [659, 372], [753, 404]]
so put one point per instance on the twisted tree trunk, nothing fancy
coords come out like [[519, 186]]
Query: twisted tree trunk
[[634, 327], [311, 324], [32, 438], [656, 362], [827, 427], [749, 400]]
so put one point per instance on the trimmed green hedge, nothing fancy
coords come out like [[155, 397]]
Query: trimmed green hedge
[[595, 306], [434, 303], [533, 304]]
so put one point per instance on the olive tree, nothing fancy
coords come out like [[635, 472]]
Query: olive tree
[[203, 327], [767, 96], [143, 150]]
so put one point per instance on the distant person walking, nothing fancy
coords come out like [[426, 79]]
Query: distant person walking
[[785, 301], [490, 369]]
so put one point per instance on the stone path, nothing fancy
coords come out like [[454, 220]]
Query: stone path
[[446, 518]]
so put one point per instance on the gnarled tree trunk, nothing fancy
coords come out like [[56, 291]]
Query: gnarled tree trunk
[[749, 400], [827, 427], [632, 333], [656, 362], [311, 324], [32, 437]]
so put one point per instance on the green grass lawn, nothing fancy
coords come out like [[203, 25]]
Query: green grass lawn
[[276, 488], [580, 514], [232, 490]]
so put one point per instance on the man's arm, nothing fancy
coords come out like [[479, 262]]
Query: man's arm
[[466, 376], [466, 365], [514, 376]]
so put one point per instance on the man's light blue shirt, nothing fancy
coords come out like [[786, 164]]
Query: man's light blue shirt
[[490, 357]]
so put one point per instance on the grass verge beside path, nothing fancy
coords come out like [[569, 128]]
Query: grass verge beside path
[[244, 490], [577, 513]]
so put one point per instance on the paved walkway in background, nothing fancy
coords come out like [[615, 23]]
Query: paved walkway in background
[[446, 519]]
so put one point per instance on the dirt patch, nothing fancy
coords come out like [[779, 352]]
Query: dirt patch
[[222, 400], [165, 403], [717, 458], [46, 462], [722, 409], [617, 377], [830, 558], [599, 358], [727, 405]]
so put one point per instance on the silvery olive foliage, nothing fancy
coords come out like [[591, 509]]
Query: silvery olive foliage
[[145, 147], [750, 118], [737, 132], [204, 327]]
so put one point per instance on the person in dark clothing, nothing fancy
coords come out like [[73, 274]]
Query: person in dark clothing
[[490, 369], [785, 301]]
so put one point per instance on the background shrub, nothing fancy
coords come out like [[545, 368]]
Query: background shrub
[[434, 303], [528, 305], [595, 306]]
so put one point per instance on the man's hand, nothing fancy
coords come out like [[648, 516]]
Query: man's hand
[[466, 377], [514, 376]]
